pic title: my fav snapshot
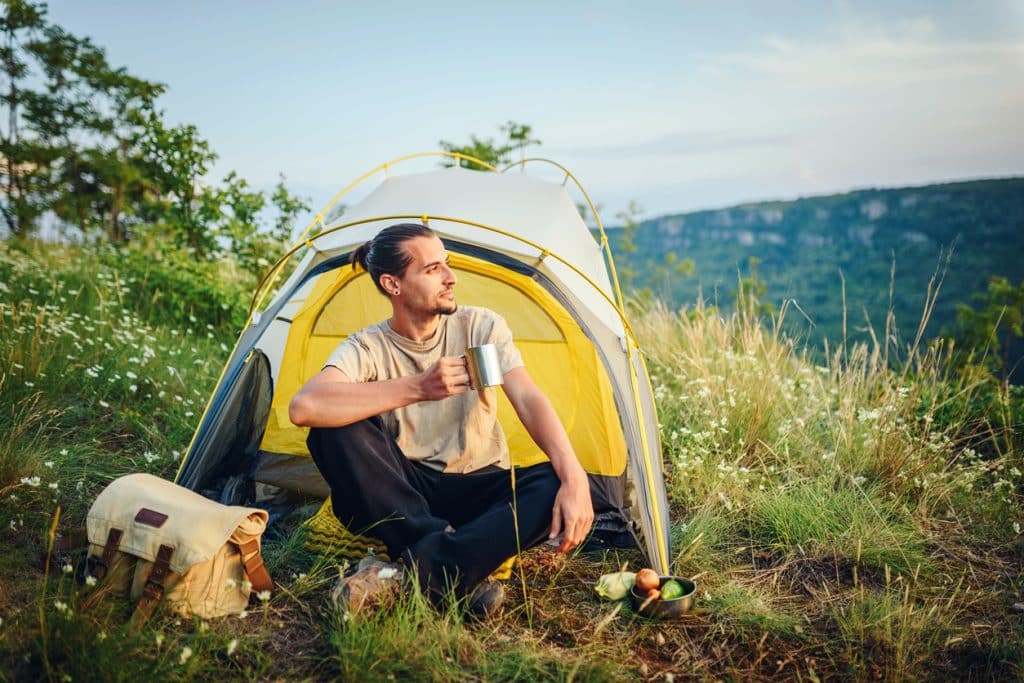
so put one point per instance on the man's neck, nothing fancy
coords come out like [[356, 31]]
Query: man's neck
[[416, 328]]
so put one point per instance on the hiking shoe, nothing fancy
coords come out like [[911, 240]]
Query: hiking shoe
[[373, 582], [485, 600]]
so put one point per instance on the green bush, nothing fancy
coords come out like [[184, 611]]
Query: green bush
[[176, 290]]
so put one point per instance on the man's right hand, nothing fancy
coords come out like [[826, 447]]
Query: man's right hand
[[447, 377]]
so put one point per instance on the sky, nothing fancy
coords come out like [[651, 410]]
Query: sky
[[677, 106]]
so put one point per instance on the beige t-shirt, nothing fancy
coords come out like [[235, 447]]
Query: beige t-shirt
[[457, 434]]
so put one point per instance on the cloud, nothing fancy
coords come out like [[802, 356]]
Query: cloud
[[681, 144], [860, 54]]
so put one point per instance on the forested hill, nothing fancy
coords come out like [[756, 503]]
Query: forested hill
[[803, 245]]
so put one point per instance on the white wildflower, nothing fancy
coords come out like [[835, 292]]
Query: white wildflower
[[63, 451], [48, 463], [104, 404], [186, 654], [243, 614], [60, 606], [67, 568], [30, 481], [867, 415], [231, 583], [263, 595], [232, 646], [1016, 527], [53, 485], [159, 639], [90, 580]]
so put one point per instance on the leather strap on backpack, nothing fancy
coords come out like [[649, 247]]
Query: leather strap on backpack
[[257, 572], [153, 591], [98, 566]]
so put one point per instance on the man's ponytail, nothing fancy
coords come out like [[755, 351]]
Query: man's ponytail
[[384, 254], [360, 254]]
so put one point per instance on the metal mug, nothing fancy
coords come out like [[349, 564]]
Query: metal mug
[[484, 368]]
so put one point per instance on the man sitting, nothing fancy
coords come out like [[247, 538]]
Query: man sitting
[[417, 458]]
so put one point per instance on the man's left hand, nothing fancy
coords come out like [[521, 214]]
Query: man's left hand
[[572, 514]]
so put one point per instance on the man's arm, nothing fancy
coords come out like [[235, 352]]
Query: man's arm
[[573, 512], [330, 399]]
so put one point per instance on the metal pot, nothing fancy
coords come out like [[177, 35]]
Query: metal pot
[[665, 609]]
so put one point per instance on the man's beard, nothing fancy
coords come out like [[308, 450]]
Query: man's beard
[[446, 310]]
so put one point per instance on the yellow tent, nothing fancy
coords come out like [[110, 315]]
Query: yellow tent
[[519, 247]]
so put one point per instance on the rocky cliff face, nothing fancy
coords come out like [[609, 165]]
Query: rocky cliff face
[[804, 245]]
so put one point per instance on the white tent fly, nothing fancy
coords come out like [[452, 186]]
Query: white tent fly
[[519, 246]]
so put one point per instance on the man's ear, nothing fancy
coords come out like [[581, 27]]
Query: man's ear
[[389, 283]]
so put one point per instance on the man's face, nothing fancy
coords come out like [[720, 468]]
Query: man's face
[[428, 284]]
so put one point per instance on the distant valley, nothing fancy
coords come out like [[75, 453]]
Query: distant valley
[[803, 246]]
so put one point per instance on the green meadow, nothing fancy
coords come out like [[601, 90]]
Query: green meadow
[[853, 515]]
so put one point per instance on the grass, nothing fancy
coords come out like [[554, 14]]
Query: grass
[[890, 634], [858, 518], [747, 612], [823, 519]]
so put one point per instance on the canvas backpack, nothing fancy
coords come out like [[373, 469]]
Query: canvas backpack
[[159, 541]]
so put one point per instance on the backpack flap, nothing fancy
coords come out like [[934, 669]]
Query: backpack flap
[[151, 512]]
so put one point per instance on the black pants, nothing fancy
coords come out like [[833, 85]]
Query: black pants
[[412, 508]]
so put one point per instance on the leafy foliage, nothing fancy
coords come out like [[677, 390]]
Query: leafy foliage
[[518, 136], [994, 327], [85, 143]]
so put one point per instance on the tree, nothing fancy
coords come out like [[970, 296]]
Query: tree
[[518, 136], [240, 209], [117, 159], [176, 158], [751, 290], [289, 208], [625, 244], [22, 159], [669, 270], [71, 123], [994, 325]]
